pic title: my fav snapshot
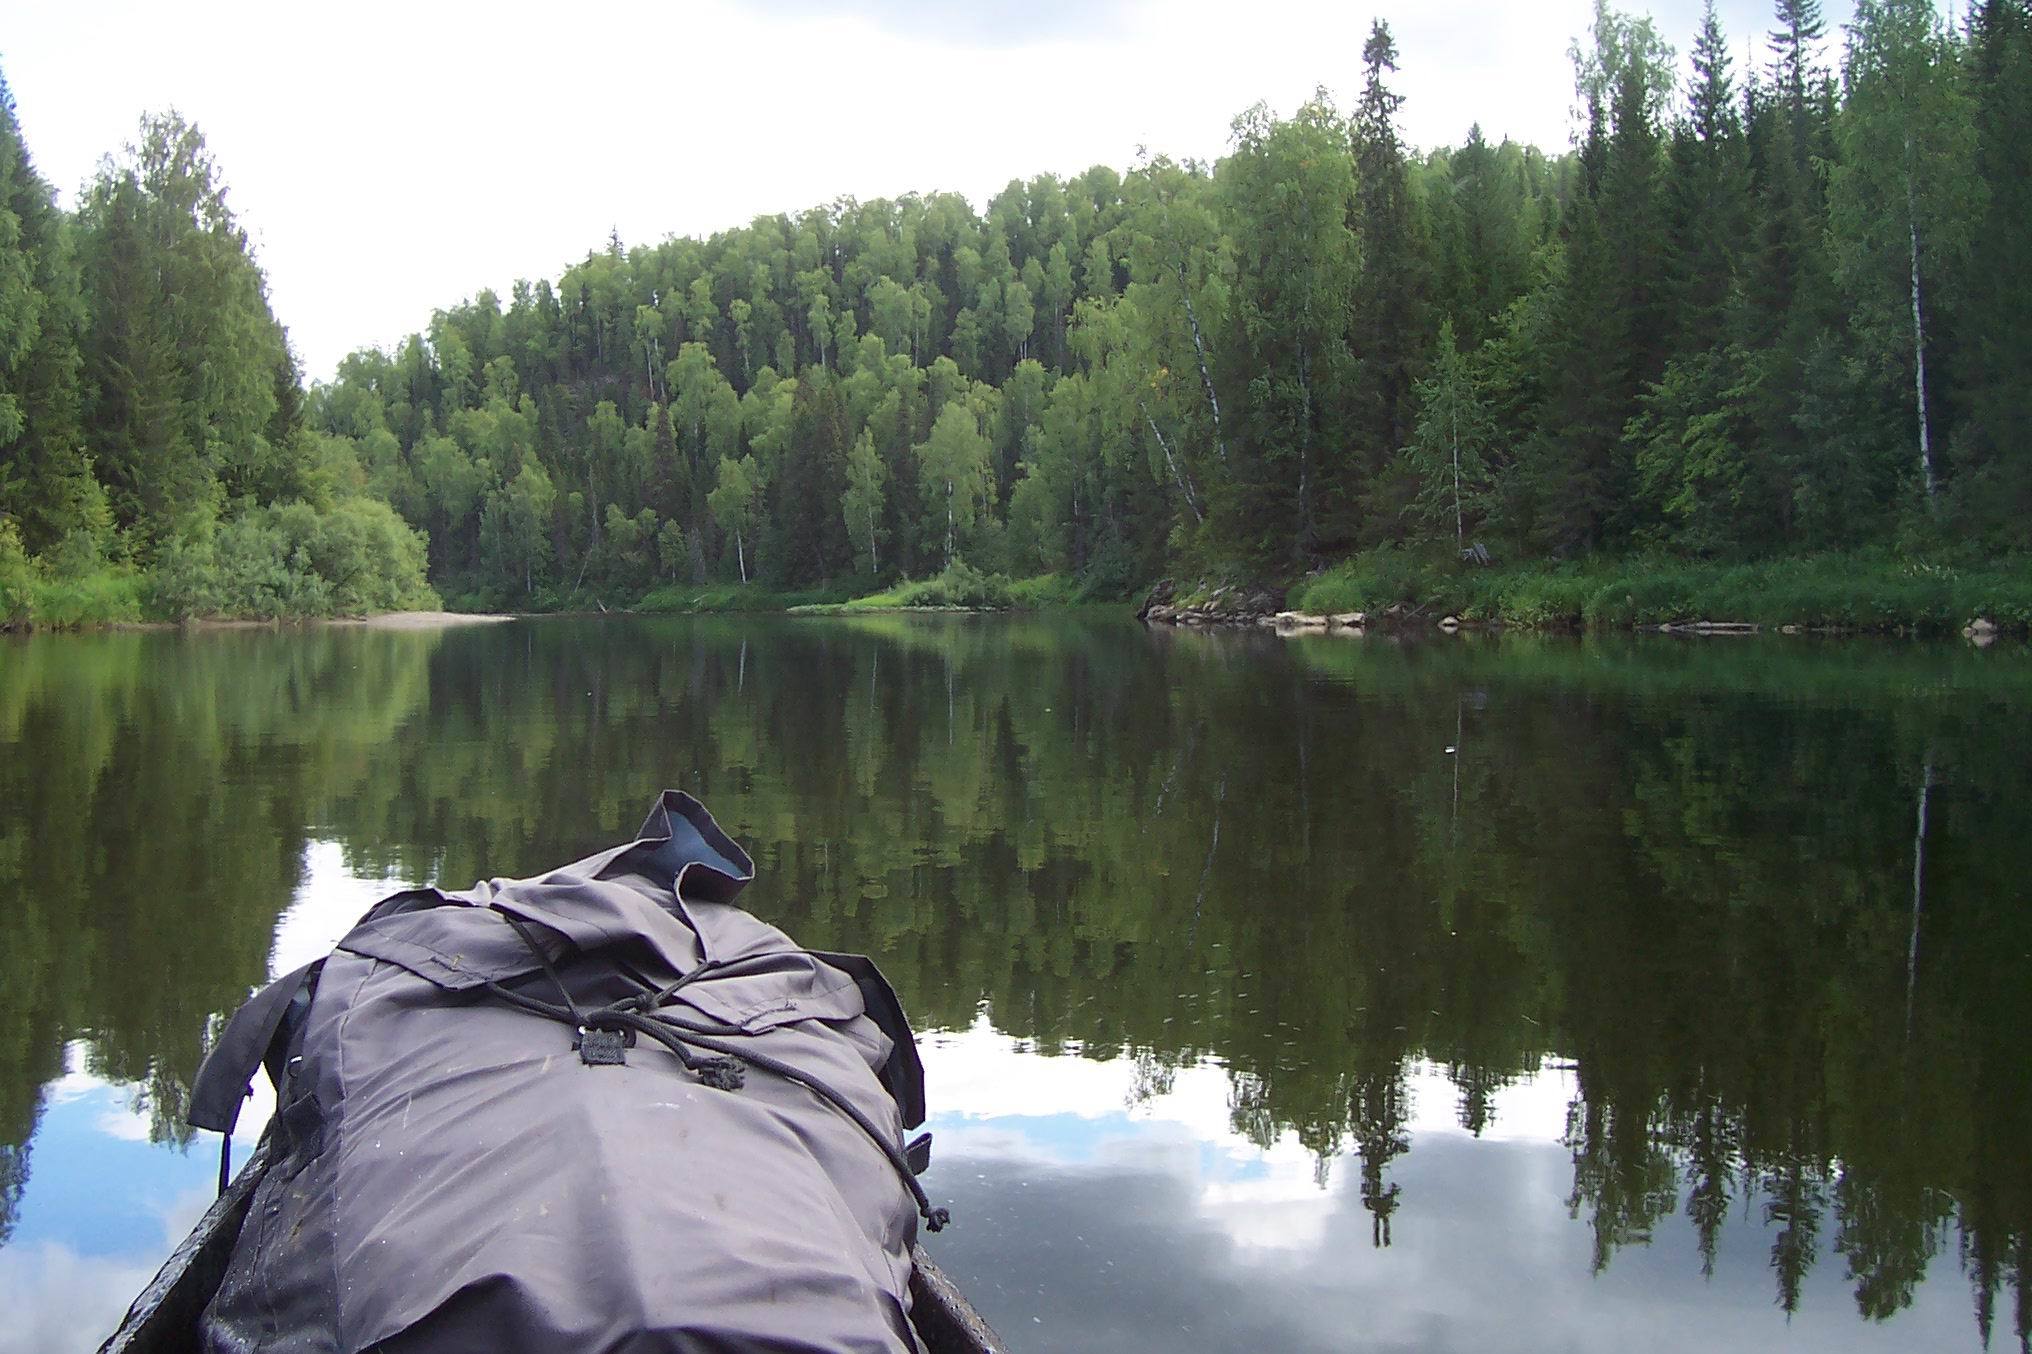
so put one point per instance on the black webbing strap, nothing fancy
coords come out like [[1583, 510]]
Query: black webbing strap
[[226, 1077], [723, 1072]]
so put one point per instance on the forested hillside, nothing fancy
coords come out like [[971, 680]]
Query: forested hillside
[[1759, 311], [153, 452]]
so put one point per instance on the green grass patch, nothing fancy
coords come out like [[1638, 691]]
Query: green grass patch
[[107, 596], [733, 598], [77, 587]]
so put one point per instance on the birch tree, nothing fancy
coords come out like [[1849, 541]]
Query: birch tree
[[1904, 194], [732, 503], [862, 504], [955, 463]]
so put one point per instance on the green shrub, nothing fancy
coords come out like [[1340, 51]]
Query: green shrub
[[960, 585], [1550, 600], [1046, 591], [294, 560], [1380, 578], [17, 578], [75, 585]]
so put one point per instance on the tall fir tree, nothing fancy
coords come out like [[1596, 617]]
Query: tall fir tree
[[1999, 395], [46, 481], [1388, 322], [1569, 465], [1707, 193], [183, 354]]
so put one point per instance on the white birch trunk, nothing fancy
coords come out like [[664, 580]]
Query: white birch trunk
[[1206, 379], [1305, 536], [1184, 484], [1918, 328], [1918, 895], [1459, 530]]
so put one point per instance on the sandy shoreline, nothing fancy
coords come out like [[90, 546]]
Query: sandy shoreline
[[420, 620], [386, 620]]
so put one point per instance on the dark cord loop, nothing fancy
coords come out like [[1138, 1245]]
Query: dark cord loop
[[724, 1072]]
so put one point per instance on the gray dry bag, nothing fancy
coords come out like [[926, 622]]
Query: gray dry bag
[[598, 1110]]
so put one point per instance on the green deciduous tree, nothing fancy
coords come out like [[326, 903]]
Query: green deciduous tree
[[862, 504], [1288, 193], [732, 503], [955, 464]]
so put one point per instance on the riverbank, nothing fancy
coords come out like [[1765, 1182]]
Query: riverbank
[[1385, 588], [386, 620], [1845, 594], [958, 588]]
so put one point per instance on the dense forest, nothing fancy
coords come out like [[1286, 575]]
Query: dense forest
[[1756, 311], [154, 455]]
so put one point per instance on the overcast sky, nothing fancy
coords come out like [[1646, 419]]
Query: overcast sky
[[390, 159]]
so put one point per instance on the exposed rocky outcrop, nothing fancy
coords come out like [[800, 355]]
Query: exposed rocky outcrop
[[1244, 605], [1225, 605]]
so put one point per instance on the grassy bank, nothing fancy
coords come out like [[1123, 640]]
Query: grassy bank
[[103, 597], [962, 588], [958, 588], [729, 598], [1831, 591]]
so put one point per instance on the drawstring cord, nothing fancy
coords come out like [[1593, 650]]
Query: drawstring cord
[[723, 1073]]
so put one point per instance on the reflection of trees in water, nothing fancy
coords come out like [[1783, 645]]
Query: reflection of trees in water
[[160, 789], [1688, 871], [1379, 1115], [13, 1180]]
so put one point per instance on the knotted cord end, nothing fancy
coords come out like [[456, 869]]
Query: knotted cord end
[[722, 1074]]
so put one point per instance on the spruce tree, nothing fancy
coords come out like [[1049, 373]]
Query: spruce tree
[[1569, 463], [46, 482], [2000, 266], [1706, 195], [1387, 318]]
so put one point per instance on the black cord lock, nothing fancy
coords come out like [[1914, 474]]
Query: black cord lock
[[604, 1048]]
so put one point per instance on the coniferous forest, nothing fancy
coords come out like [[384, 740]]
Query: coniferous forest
[[1759, 311]]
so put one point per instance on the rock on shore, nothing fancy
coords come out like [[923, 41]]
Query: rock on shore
[[1240, 606]]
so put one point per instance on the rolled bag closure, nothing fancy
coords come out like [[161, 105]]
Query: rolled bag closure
[[678, 841]]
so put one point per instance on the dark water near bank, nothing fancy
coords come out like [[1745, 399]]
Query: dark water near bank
[[1683, 1005]]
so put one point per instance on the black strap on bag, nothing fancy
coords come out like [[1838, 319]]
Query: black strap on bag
[[226, 1078], [600, 1042]]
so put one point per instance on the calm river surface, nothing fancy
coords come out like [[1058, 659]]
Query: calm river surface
[[1321, 994]]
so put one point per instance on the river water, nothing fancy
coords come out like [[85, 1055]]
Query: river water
[[1314, 994]]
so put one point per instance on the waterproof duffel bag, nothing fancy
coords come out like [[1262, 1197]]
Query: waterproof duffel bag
[[602, 1109]]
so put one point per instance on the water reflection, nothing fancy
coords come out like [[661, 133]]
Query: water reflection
[[1655, 983], [1101, 1219]]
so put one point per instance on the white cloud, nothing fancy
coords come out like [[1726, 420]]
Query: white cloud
[[1266, 1201], [328, 902]]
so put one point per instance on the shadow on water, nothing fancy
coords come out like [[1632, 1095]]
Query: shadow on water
[[1763, 900]]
